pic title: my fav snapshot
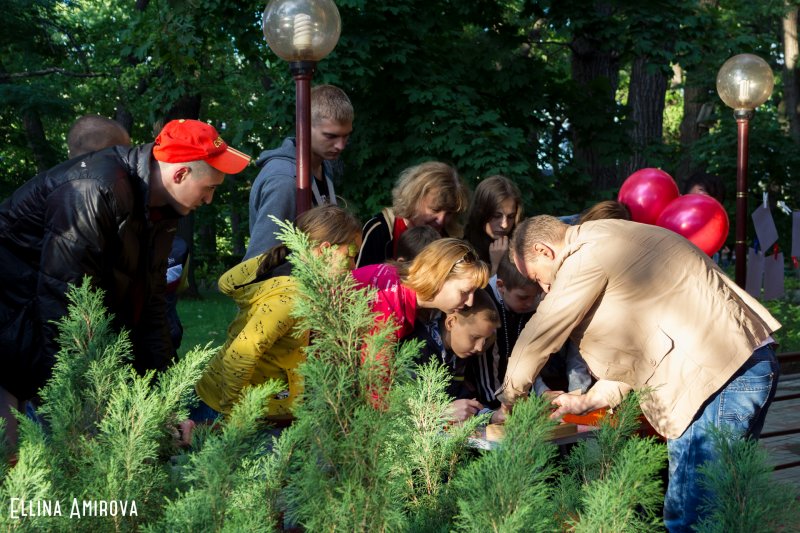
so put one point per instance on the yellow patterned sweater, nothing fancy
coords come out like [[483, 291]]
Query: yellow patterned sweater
[[262, 342]]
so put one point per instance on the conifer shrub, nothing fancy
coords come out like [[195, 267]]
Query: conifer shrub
[[743, 495], [612, 482], [371, 448], [108, 435], [510, 488], [368, 446], [229, 482]]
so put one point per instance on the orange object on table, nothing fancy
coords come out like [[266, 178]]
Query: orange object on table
[[592, 418]]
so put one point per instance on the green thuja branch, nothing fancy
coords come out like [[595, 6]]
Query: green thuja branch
[[629, 496], [106, 433], [508, 489], [341, 470], [371, 452], [742, 494], [228, 479], [612, 483], [429, 449], [29, 480]]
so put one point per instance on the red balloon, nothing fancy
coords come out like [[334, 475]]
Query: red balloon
[[647, 192], [699, 218]]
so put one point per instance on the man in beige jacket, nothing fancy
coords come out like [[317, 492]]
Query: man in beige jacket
[[650, 310]]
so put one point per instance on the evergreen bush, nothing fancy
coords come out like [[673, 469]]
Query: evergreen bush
[[746, 498], [371, 448], [107, 435], [369, 452]]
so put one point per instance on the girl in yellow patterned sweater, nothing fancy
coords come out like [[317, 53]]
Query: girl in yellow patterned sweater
[[262, 341]]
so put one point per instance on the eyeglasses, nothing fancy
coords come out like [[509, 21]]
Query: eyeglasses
[[468, 257]]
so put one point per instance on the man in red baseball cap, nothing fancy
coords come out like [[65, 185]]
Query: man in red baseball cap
[[190, 148], [109, 214]]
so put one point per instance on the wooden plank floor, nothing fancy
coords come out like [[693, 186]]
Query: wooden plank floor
[[784, 415]]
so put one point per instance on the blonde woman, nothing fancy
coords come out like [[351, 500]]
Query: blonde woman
[[444, 276], [430, 193]]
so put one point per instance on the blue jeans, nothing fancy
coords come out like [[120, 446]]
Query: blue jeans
[[741, 405], [202, 413]]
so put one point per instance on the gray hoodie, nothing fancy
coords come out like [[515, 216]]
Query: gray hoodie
[[273, 193]]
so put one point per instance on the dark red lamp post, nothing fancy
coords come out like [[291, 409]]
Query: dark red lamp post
[[302, 32], [744, 82]]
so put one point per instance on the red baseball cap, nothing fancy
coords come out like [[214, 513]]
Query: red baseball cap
[[184, 140]]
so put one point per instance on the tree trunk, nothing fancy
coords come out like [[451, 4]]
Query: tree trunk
[[124, 117], [646, 95], [37, 140], [188, 106], [790, 82], [696, 110], [42, 152], [691, 126], [239, 248], [596, 69]]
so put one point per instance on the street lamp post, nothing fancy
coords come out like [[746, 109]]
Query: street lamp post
[[744, 82], [302, 32]]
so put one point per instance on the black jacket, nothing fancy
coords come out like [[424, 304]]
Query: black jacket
[[87, 216], [377, 244]]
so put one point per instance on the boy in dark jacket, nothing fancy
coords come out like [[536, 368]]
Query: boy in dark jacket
[[453, 340], [516, 298]]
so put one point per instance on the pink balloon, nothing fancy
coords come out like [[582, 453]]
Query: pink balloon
[[647, 192], [699, 218]]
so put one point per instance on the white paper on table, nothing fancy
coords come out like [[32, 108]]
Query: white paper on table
[[766, 231], [773, 276], [755, 273], [795, 234]]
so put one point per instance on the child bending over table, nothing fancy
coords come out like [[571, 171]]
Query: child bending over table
[[452, 339]]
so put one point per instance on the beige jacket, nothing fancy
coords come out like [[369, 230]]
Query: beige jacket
[[648, 310]]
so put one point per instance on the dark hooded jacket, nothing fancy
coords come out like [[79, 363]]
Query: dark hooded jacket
[[85, 217]]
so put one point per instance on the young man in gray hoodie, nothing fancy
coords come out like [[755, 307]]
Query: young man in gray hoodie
[[273, 192]]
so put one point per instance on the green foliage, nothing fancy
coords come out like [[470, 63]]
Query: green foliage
[[787, 311], [629, 497], [746, 496], [612, 483], [231, 482], [108, 436], [488, 86], [509, 489]]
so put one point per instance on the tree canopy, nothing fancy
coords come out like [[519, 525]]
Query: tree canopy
[[565, 98]]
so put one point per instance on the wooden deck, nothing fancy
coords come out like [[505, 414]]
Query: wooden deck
[[784, 416]]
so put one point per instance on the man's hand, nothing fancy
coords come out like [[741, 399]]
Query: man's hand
[[460, 410], [500, 415], [552, 394], [575, 405]]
